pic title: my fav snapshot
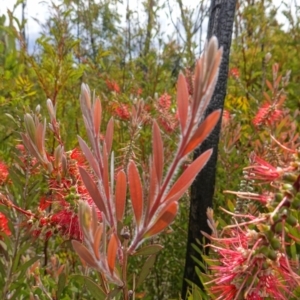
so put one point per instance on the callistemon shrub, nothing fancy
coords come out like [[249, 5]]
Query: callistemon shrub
[[112, 212], [257, 255]]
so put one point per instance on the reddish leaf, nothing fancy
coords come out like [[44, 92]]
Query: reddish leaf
[[121, 187], [105, 175], [97, 240], [214, 59], [89, 156], [109, 135], [277, 81], [203, 131], [93, 190], [40, 138], [158, 152], [267, 97], [269, 85], [153, 184], [97, 115], [112, 252], [187, 177], [84, 253], [136, 192], [182, 101], [164, 219]]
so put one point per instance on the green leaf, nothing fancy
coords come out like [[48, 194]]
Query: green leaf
[[149, 250], [95, 290], [145, 270], [61, 284], [23, 267]]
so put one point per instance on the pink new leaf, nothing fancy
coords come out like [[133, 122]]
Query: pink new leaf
[[203, 131], [89, 156], [182, 101], [112, 252], [92, 189], [109, 135], [84, 253], [105, 177], [164, 219], [120, 197], [158, 152], [136, 192], [187, 177], [97, 115]]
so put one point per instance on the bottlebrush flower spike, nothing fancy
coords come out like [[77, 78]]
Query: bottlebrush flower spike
[[268, 114], [261, 170], [4, 225], [3, 173]]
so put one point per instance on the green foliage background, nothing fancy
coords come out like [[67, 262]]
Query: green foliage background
[[87, 42]]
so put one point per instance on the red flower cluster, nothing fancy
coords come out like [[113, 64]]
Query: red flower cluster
[[164, 101], [262, 170], [247, 268], [113, 86], [4, 224], [3, 173], [63, 200], [122, 112], [268, 114], [234, 72], [225, 118]]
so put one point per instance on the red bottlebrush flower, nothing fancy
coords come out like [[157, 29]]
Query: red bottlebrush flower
[[225, 292], [164, 101], [122, 112], [225, 118], [166, 124], [68, 224], [268, 114], [113, 86], [4, 224], [3, 173], [262, 170], [242, 271], [234, 72]]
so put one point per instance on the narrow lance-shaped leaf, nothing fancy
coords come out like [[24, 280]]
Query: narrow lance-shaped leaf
[[136, 192], [182, 101], [153, 184], [164, 219], [187, 177], [97, 115], [93, 190], [149, 263], [202, 132], [158, 152], [40, 138], [149, 250], [112, 252], [105, 177], [120, 195], [30, 127], [109, 135], [84, 253], [89, 156], [97, 240]]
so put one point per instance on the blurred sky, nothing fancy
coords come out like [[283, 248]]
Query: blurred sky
[[39, 9]]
